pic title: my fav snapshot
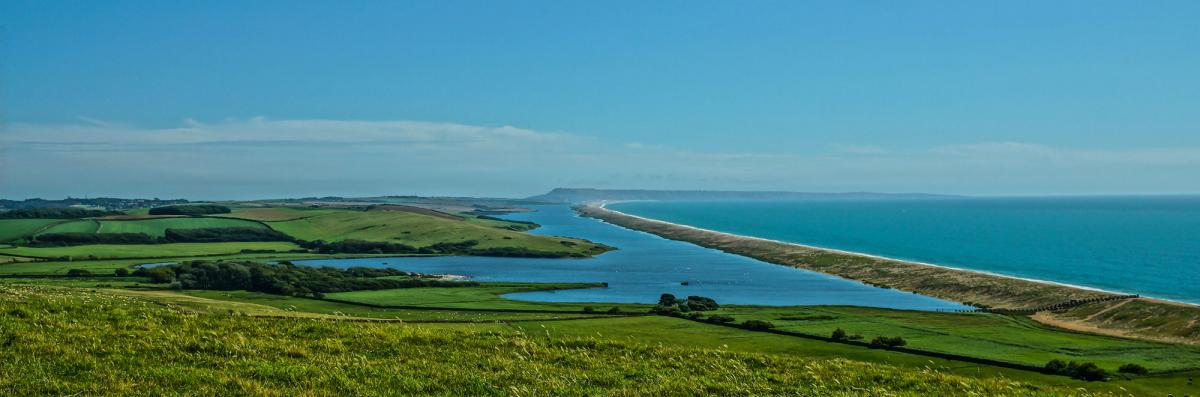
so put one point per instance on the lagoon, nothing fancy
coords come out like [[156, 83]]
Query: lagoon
[[645, 266]]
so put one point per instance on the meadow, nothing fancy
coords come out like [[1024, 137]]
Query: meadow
[[126, 345]]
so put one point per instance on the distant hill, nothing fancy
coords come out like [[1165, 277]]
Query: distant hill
[[579, 195]]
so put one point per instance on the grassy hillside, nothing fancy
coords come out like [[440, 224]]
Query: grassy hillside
[[124, 345], [420, 230]]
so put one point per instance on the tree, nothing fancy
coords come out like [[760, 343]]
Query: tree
[[121, 272], [589, 309], [667, 300], [614, 310], [78, 273], [839, 334], [700, 303]]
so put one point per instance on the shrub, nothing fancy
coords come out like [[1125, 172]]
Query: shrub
[[1082, 371], [839, 334], [888, 342], [157, 275], [78, 273], [121, 272], [589, 309], [720, 319], [614, 310], [1133, 369], [758, 325]]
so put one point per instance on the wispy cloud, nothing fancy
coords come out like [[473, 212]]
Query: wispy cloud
[[264, 157]]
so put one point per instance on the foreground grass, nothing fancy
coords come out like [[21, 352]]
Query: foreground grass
[[70, 341]]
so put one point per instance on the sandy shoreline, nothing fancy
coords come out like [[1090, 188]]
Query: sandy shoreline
[[604, 204]]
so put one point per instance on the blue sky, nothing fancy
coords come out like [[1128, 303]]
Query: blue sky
[[269, 99]]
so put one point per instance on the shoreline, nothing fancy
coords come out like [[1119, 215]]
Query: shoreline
[[1061, 305], [603, 205]]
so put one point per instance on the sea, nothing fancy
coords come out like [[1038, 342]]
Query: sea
[[1148, 245]]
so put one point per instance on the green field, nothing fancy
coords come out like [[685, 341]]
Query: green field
[[116, 251], [13, 229], [1005, 338], [157, 227], [274, 213], [75, 226], [107, 344], [419, 231]]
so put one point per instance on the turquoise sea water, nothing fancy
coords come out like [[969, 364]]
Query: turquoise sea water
[[646, 266], [1145, 245]]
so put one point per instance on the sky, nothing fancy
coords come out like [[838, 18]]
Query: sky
[[264, 99]]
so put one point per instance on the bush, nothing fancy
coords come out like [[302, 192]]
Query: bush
[[193, 209], [589, 309], [614, 310], [78, 273], [121, 272], [758, 325], [839, 334], [1085, 371], [157, 275], [888, 342], [1133, 369], [720, 319]]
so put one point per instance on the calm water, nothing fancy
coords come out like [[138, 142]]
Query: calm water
[[1146, 245], [646, 266]]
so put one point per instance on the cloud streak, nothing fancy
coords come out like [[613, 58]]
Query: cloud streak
[[261, 157]]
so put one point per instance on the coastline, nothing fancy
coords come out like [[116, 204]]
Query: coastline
[[1062, 305], [603, 205]]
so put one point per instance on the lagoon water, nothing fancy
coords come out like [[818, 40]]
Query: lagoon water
[[646, 266], [1145, 245]]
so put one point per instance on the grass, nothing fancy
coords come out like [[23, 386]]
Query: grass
[[75, 226], [157, 227], [107, 344], [118, 251], [14, 229], [420, 230], [1006, 338], [274, 213], [487, 296]]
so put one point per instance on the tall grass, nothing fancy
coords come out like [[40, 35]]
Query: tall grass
[[64, 341]]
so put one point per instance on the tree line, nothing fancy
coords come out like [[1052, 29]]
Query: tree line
[[190, 209], [202, 235], [55, 213], [285, 278]]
